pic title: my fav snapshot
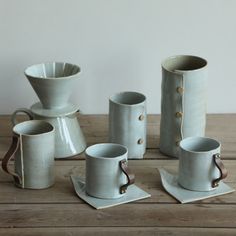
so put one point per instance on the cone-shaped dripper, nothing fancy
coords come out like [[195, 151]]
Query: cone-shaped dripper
[[53, 82]]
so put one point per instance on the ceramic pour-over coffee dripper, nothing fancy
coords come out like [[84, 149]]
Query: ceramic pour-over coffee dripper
[[53, 82]]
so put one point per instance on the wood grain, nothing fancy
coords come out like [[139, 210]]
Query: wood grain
[[58, 210], [117, 231]]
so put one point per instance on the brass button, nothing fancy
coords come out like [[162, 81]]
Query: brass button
[[140, 141], [180, 90], [178, 114], [141, 117]]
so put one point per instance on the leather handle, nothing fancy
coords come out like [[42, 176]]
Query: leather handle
[[223, 171], [21, 110], [10, 153], [130, 177]]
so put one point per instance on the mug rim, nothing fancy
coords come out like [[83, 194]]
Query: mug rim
[[175, 57], [182, 142], [112, 98], [51, 128], [94, 146], [27, 74]]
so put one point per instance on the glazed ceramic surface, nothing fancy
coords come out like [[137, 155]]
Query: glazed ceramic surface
[[53, 82], [69, 139], [127, 122], [170, 183], [104, 176], [183, 102], [134, 193], [34, 156], [197, 169]]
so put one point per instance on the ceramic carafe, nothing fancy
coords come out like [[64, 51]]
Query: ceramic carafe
[[69, 139], [183, 103]]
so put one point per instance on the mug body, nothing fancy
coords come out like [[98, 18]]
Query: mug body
[[34, 160], [197, 169], [127, 122], [183, 101], [104, 176]]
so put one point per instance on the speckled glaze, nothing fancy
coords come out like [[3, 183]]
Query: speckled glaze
[[197, 169], [69, 139], [103, 174], [183, 102], [34, 159], [53, 82], [127, 122]]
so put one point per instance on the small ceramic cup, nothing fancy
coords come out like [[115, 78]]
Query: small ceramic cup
[[127, 122], [107, 173], [33, 149], [200, 166]]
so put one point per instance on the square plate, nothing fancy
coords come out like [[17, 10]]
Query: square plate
[[170, 184], [133, 193]]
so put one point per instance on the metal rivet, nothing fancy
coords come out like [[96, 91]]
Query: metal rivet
[[180, 90], [141, 117], [179, 114], [177, 143], [140, 141]]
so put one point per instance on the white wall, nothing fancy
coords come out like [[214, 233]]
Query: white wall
[[119, 45]]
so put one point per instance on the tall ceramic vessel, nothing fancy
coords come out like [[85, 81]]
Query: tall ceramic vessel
[[183, 103], [127, 122]]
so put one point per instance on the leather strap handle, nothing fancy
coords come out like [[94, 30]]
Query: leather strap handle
[[10, 153], [223, 171], [21, 110], [130, 177]]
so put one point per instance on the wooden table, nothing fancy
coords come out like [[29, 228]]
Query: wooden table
[[58, 211]]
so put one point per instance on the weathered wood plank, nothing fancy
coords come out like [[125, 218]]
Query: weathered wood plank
[[72, 215], [117, 231], [95, 128], [147, 177]]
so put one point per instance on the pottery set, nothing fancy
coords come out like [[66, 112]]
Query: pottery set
[[53, 131], [53, 83]]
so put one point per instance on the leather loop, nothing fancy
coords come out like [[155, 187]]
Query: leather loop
[[130, 177], [223, 172], [21, 110], [10, 153]]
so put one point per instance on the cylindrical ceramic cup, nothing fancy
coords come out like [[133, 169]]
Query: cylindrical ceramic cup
[[107, 174], [127, 122], [33, 148], [183, 101], [200, 166]]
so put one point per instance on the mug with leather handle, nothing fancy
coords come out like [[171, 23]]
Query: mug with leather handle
[[107, 172], [33, 150], [200, 166]]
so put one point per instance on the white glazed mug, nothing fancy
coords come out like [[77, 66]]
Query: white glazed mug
[[33, 148], [200, 166], [107, 173], [127, 122]]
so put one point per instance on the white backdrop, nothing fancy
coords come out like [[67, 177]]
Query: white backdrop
[[119, 45]]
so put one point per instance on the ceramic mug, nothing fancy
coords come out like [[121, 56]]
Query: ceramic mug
[[107, 173], [33, 148], [200, 166], [128, 121], [53, 82]]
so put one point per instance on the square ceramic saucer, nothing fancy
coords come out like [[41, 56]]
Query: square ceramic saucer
[[170, 184], [133, 193]]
